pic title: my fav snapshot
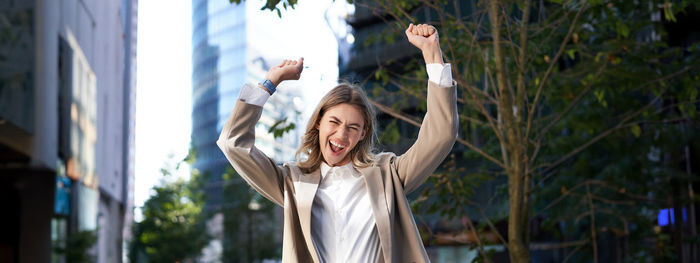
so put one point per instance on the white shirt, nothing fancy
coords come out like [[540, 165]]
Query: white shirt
[[343, 228]]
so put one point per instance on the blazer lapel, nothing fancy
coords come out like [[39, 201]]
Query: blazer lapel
[[305, 193], [375, 189]]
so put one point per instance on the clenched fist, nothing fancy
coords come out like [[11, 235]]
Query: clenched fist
[[425, 38]]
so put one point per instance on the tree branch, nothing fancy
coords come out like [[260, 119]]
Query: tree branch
[[488, 221], [399, 115], [531, 111], [480, 246], [574, 251], [592, 217], [519, 100], [565, 112], [620, 125]]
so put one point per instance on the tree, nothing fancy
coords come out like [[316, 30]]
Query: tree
[[547, 89], [249, 222], [173, 228], [76, 247]]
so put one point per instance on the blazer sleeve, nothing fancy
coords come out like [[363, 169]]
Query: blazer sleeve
[[436, 137], [237, 141]]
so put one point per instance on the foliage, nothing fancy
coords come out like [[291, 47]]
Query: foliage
[[173, 228], [280, 127], [575, 114], [77, 246], [249, 222], [273, 5], [174, 225]]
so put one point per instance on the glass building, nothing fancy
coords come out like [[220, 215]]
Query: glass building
[[218, 70]]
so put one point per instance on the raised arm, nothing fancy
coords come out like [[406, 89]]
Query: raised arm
[[438, 130], [287, 70], [425, 38], [237, 137]]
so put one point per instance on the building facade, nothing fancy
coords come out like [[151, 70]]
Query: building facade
[[67, 87]]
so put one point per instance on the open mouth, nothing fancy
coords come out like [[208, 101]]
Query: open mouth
[[336, 147]]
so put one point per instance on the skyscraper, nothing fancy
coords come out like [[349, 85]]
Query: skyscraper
[[218, 70]]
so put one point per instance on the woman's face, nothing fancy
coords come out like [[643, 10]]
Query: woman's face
[[340, 129]]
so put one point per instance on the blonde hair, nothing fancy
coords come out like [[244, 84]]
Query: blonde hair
[[362, 155]]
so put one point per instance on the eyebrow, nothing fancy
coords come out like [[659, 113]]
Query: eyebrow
[[351, 124]]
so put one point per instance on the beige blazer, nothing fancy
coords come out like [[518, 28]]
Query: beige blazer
[[388, 180]]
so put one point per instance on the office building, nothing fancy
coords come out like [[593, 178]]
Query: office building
[[67, 80]]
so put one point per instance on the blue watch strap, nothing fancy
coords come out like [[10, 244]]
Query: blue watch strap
[[269, 86]]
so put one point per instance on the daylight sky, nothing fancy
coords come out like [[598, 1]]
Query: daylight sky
[[163, 105]]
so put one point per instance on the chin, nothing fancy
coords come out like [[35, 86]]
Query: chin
[[335, 160]]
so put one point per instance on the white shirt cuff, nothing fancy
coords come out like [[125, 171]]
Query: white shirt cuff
[[439, 74], [253, 95]]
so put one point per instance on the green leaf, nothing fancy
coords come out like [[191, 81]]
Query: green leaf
[[378, 74], [600, 95], [668, 12], [598, 56], [636, 130], [280, 127], [622, 29], [693, 94], [571, 53], [616, 60]]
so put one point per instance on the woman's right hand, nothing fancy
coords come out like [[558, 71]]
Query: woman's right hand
[[425, 38], [287, 70]]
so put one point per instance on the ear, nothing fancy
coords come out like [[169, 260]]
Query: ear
[[362, 136]]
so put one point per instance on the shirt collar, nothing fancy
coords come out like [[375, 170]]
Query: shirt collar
[[326, 169]]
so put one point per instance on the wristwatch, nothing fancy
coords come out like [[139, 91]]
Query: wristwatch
[[269, 86]]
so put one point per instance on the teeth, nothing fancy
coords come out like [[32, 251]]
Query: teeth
[[337, 145]]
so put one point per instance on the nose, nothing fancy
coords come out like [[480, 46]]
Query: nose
[[343, 132]]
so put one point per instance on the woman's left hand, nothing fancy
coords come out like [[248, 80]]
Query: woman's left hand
[[287, 70]]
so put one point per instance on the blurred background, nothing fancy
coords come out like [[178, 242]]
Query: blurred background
[[578, 124]]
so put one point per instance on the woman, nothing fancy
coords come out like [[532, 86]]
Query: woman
[[342, 203]]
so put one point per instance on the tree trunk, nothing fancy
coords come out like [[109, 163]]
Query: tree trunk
[[515, 166]]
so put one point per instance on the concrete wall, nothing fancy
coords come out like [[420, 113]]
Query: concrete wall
[[45, 139], [110, 219]]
